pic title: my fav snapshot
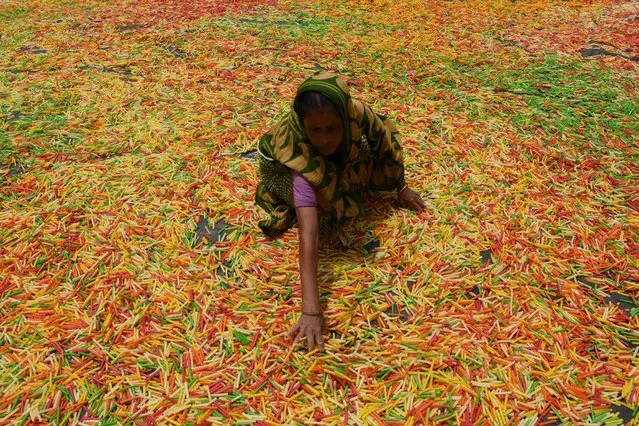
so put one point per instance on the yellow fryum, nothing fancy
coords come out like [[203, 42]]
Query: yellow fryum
[[628, 386]]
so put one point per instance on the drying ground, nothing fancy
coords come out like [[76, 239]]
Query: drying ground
[[136, 287]]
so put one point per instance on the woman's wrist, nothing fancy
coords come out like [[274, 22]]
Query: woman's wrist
[[401, 188], [312, 306]]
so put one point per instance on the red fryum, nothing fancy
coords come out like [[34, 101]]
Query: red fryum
[[152, 12]]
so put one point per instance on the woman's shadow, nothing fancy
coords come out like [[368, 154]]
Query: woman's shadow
[[353, 243]]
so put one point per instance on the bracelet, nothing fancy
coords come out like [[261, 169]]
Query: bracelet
[[312, 314]]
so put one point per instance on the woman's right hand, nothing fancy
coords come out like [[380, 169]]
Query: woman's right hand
[[310, 328]]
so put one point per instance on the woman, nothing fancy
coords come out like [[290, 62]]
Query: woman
[[315, 165]]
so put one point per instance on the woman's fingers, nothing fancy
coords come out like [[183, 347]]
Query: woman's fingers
[[415, 202], [314, 340], [411, 200], [311, 332], [320, 342], [310, 340], [301, 333], [294, 330]]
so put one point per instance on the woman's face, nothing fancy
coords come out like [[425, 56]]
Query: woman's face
[[324, 129]]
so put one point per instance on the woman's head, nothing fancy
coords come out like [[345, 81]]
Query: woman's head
[[321, 121]]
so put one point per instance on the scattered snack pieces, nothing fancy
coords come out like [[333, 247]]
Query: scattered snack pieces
[[135, 286]]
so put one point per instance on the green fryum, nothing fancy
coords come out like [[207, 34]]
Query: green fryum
[[244, 339]]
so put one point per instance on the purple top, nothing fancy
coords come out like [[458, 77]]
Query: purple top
[[304, 194]]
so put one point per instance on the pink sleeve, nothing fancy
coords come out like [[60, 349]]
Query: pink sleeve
[[303, 192]]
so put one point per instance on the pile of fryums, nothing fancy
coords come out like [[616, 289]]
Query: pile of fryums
[[136, 287]]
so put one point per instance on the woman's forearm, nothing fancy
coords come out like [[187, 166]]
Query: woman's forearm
[[308, 270], [309, 243]]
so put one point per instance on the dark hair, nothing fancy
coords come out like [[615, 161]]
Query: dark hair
[[312, 101]]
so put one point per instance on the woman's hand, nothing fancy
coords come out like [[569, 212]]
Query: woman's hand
[[411, 200], [310, 328]]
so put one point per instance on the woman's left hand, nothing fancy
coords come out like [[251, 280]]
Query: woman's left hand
[[411, 200]]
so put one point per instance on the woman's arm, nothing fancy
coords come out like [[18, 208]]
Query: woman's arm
[[311, 322], [307, 219]]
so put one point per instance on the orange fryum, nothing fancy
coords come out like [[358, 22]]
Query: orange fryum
[[418, 410]]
